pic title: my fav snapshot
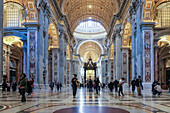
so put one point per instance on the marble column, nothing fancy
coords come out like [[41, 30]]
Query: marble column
[[148, 53], [114, 61], [32, 53], [25, 57], [125, 64], [1, 40], [68, 72], [118, 52], [109, 70], [156, 63], [61, 56], [8, 63], [55, 65], [163, 66], [65, 62], [71, 66], [103, 66]]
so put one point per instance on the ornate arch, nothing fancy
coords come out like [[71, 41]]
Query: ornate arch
[[89, 49]]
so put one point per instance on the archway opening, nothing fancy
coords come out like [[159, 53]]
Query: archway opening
[[13, 58], [163, 57]]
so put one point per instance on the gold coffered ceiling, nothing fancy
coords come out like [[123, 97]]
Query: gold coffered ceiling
[[82, 10]]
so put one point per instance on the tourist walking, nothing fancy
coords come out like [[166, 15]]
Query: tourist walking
[[23, 86], [74, 85], [121, 82], [133, 83], [116, 82], [139, 85], [96, 81]]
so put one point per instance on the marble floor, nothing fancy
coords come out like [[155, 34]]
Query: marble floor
[[44, 101]]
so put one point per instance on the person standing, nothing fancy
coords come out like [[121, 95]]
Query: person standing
[[4, 86], [74, 85], [60, 86], [32, 84], [133, 83], [139, 85], [29, 88], [14, 86], [90, 84], [116, 82], [52, 86], [23, 86], [8, 86], [97, 84], [111, 85], [121, 82]]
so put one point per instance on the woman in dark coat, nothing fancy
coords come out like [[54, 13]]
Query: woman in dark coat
[[23, 86]]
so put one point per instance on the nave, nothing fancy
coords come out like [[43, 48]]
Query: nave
[[45, 101]]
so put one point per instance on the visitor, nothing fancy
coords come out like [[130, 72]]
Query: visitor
[[139, 85], [153, 85], [23, 86], [133, 83], [32, 84], [116, 82], [111, 85], [14, 86], [90, 84], [52, 86], [60, 86], [74, 85], [121, 82], [169, 85], [29, 88], [157, 89], [8, 86], [4, 86], [96, 81]]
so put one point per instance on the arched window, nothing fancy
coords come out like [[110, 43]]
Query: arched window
[[164, 14], [12, 14]]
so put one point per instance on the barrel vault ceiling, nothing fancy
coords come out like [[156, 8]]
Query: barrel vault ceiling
[[82, 10]]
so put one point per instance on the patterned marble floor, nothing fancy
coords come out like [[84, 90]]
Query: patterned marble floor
[[44, 101]]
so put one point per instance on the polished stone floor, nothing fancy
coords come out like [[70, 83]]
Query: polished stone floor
[[44, 101]]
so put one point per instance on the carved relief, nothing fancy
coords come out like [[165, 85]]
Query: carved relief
[[32, 51], [147, 55]]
